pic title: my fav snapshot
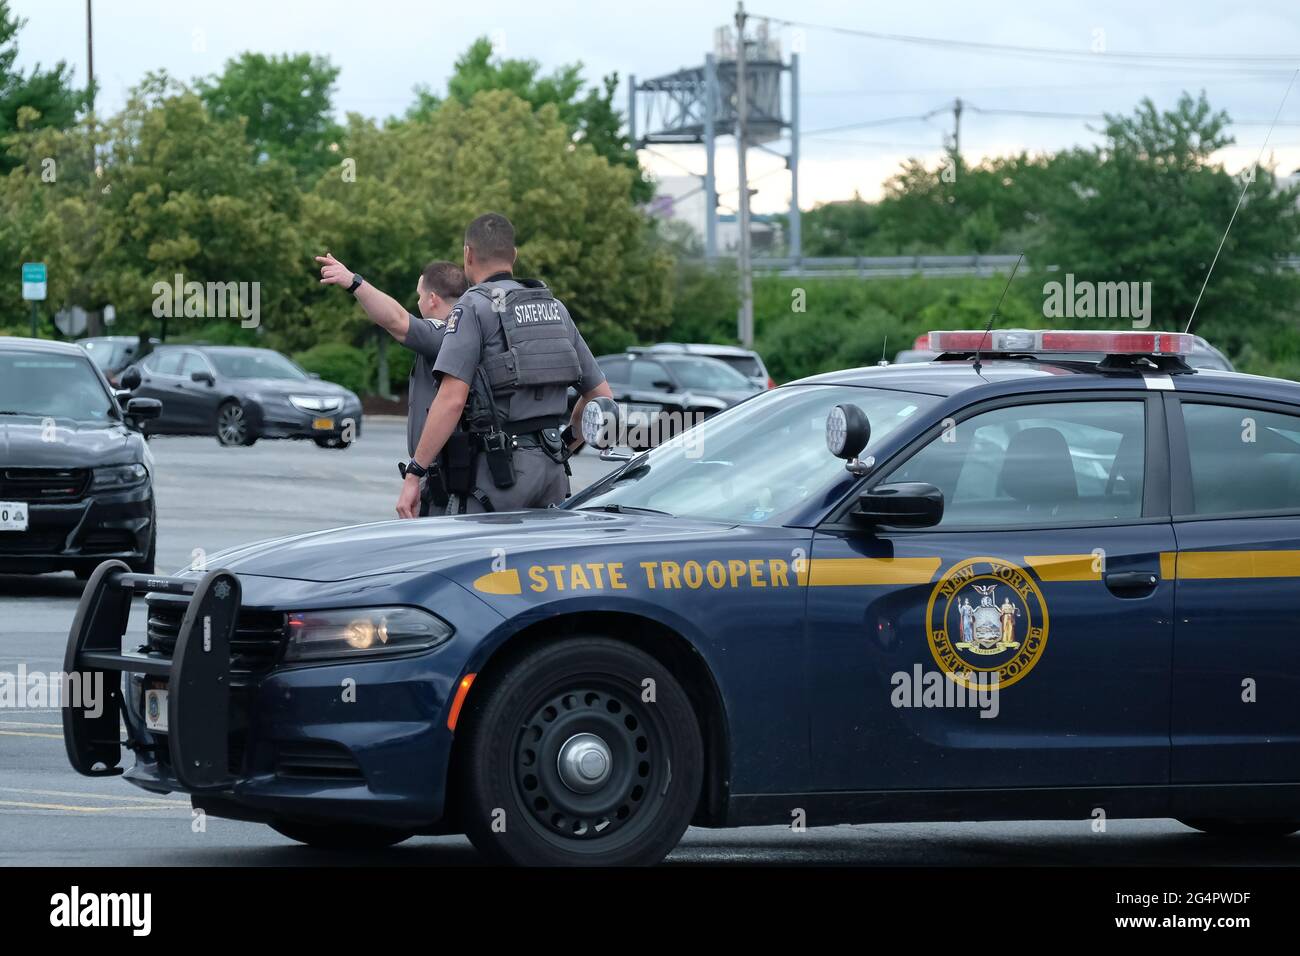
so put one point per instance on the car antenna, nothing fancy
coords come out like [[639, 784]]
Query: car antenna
[[883, 349], [1244, 186], [989, 328]]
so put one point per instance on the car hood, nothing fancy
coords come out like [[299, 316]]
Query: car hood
[[25, 442], [440, 544]]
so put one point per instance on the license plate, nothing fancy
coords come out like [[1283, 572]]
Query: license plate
[[155, 710], [322, 424], [13, 516]]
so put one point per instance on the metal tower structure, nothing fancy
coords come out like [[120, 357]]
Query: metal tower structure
[[698, 104]]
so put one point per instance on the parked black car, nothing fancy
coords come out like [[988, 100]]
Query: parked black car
[[113, 353], [745, 361], [76, 475], [242, 394], [667, 391]]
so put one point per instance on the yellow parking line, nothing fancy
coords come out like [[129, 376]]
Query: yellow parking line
[[18, 733], [28, 723], [75, 809], [92, 796]]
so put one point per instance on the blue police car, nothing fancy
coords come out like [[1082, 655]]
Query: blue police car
[[1048, 575]]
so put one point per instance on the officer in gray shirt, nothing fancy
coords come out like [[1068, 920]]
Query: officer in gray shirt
[[509, 354], [439, 286]]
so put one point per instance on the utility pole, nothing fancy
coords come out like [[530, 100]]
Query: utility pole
[[90, 56], [745, 316], [956, 130]]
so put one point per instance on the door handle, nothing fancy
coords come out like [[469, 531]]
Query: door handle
[[1131, 583]]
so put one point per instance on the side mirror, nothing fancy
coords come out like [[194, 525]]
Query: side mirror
[[904, 504], [600, 426], [202, 375], [847, 434], [315, 375], [122, 396], [663, 385], [131, 379], [143, 409]]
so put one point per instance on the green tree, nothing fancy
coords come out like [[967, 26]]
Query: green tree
[[49, 94], [590, 117], [1150, 204], [577, 227], [286, 103]]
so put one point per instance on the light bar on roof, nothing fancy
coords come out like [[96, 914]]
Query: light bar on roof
[[1049, 340]]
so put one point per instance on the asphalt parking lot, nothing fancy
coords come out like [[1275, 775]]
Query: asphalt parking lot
[[210, 497]]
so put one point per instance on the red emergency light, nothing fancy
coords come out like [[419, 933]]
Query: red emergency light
[[1048, 341]]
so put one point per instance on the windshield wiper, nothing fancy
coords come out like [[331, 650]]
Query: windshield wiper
[[626, 509]]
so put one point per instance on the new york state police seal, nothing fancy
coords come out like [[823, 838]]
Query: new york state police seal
[[986, 615]]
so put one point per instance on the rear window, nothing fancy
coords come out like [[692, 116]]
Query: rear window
[[1243, 460], [746, 365]]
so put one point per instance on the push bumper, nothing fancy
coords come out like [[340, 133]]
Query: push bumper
[[198, 674]]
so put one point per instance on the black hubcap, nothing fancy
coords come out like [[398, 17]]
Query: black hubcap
[[586, 760]]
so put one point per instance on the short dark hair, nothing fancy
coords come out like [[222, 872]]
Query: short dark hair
[[444, 278], [492, 237]]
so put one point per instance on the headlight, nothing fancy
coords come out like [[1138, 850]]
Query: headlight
[[119, 476], [362, 632]]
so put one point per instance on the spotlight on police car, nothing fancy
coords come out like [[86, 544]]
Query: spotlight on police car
[[600, 425], [847, 433]]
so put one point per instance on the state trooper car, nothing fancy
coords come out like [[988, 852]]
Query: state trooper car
[[1049, 575]]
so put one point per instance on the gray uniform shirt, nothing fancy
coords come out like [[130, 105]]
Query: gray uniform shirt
[[474, 331], [424, 338]]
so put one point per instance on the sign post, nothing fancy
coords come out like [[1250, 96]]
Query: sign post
[[34, 285]]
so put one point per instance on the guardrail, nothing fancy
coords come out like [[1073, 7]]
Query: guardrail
[[888, 267]]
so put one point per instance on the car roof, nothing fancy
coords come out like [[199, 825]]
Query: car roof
[[700, 348], [948, 377], [20, 344]]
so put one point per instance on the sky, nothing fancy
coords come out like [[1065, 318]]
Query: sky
[[386, 47]]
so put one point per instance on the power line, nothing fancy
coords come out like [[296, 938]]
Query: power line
[[1004, 48]]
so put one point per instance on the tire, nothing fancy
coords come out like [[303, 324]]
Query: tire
[[341, 836], [1247, 829], [332, 443], [233, 427], [145, 565], [583, 693]]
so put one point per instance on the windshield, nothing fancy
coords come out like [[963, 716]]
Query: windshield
[[107, 355], [52, 386], [705, 373], [759, 462], [261, 363]]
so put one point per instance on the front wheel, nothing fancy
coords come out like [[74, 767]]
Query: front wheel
[[233, 426], [1248, 829], [342, 836], [584, 752]]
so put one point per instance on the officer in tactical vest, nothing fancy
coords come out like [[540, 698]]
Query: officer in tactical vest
[[509, 353]]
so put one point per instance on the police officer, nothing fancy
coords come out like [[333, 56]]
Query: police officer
[[508, 356], [438, 287]]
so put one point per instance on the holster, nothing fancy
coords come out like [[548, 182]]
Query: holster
[[457, 463], [500, 458]]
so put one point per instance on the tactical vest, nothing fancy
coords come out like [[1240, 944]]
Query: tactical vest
[[530, 379]]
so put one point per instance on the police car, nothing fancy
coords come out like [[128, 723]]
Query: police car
[[1048, 575]]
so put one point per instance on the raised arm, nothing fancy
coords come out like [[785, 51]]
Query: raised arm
[[383, 310]]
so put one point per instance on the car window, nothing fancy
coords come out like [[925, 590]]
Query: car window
[[52, 386], [758, 462], [644, 373], [615, 369], [192, 362], [167, 363], [1242, 459], [744, 364], [1033, 464], [706, 374], [254, 363]]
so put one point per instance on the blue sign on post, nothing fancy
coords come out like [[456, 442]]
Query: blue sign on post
[[34, 281]]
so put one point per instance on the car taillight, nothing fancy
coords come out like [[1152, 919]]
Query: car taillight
[[771, 383]]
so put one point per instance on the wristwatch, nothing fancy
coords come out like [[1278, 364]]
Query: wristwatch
[[412, 467], [356, 282]]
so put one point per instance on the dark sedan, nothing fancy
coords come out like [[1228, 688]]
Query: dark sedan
[[663, 393], [242, 394], [76, 476]]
